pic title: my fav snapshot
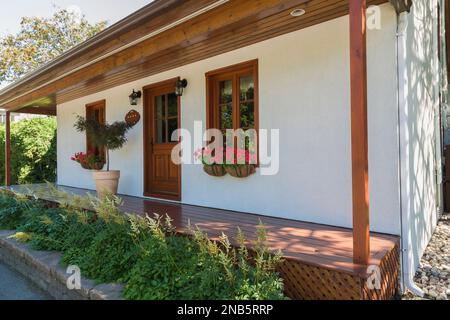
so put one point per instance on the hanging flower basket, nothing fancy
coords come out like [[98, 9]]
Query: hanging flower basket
[[211, 162], [214, 170], [89, 161], [240, 170]]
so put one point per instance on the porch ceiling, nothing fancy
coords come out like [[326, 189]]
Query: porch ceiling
[[120, 54]]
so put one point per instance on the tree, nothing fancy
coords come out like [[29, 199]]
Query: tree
[[41, 40], [33, 146], [108, 136]]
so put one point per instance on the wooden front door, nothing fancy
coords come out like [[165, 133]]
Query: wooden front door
[[162, 178]]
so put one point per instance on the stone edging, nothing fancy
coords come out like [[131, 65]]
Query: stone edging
[[44, 270]]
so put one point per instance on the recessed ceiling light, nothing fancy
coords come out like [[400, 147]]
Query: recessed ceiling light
[[298, 12]]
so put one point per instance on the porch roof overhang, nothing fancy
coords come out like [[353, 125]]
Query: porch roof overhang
[[161, 36]]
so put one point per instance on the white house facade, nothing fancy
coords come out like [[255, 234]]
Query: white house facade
[[303, 87]]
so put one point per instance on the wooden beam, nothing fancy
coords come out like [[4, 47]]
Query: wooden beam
[[47, 111], [360, 162], [8, 149], [142, 22], [233, 15]]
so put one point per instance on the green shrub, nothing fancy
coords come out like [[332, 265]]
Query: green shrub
[[145, 253], [108, 251], [47, 227], [179, 268], [13, 210], [79, 236], [33, 151]]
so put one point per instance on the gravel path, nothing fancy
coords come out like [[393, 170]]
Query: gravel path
[[434, 274], [13, 286]]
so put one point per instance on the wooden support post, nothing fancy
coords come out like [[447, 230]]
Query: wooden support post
[[360, 175], [8, 149]]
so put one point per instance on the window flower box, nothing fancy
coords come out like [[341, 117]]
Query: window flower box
[[240, 163], [214, 170], [212, 164], [240, 170]]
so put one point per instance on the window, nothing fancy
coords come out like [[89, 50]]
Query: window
[[232, 95], [166, 117], [96, 111]]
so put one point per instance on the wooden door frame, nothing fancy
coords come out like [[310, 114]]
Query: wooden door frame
[[91, 107], [148, 132]]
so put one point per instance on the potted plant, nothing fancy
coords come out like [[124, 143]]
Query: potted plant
[[108, 136], [212, 161], [240, 163], [89, 160]]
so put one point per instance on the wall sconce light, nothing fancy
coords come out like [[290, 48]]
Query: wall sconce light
[[181, 85], [134, 97]]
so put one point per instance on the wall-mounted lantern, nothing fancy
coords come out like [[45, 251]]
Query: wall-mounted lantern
[[181, 85], [134, 97]]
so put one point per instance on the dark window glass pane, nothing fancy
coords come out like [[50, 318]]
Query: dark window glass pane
[[172, 125], [97, 115], [173, 105], [247, 88], [160, 131], [247, 114], [226, 117], [225, 91], [160, 107]]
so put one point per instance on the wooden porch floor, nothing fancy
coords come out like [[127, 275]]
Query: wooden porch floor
[[311, 250]]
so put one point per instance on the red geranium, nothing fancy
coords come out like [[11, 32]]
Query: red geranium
[[89, 160]]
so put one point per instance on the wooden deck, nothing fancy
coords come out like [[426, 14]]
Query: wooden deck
[[318, 262]]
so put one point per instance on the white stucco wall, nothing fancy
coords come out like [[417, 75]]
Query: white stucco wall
[[304, 91], [418, 113]]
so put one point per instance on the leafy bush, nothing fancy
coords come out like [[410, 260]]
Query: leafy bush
[[47, 227], [179, 268], [33, 151], [13, 211], [79, 236], [146, 253]]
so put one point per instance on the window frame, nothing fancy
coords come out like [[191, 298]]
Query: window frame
[[90, 109], [234, 72]]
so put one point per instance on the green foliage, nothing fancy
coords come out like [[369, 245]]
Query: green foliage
[[110, 254], [110, 136], [78, 238], [33, 151], [146, 253], [41, 40], [178, 268], [13, 211], [47, 227]]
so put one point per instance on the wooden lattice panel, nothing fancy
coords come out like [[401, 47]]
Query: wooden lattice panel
[[390, 272], [307, 282]]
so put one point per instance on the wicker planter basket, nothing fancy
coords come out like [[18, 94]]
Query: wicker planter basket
[[96, 166], [241, 170], [214, 170]]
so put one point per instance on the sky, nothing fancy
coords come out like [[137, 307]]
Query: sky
[[94, 10]]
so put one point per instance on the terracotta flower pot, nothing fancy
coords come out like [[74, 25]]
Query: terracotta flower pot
[[215, 170], [241, 170], [106, 182]]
